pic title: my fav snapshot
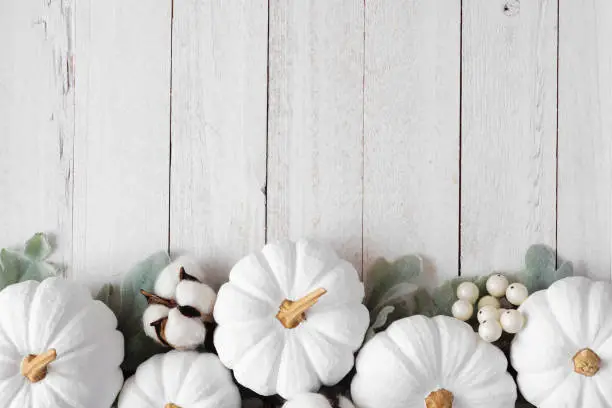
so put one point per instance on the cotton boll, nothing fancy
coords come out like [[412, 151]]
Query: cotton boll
[[191, 267], [169, 278], [197, 295], [152, 314], [165, 285], [185, 333]]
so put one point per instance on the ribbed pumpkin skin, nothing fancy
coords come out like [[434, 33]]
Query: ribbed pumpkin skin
[[400, 367], [187, 379], [61, 315], [271, 359], [572, 314]]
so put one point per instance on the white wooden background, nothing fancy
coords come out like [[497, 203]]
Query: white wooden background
[[461, 130]]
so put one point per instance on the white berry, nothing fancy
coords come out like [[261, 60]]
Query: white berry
[[488, 301], [517, 293], [497, 285], [468, 291], [462, 310], [487, 313], [512, 321], [490, 330]]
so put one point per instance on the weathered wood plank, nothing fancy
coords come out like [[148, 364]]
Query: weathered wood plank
[[508, 172], [36, 122], [585, 136], [123, 129], [316, 123], [411, 194], [219, 130]]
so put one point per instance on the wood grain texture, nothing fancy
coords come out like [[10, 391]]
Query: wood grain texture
[[36, 122], [123, 127], [219, 130], [585, 136], [411, 194], [508, 173], [316, 123]]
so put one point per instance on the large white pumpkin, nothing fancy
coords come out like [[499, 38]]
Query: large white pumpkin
[[563, 355], [290, 318], [180, 379], [58, 347], [437, 363]]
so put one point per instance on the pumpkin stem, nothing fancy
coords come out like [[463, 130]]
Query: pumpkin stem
[[171, 405], [587, 362], [153, 299], [34, 367], [291, 313], [439, 399]]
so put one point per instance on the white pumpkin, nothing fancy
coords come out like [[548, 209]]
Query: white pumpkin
[[563, 355], [312, 400], [180, 379], [290, 319], [58, 347], [437, 363]]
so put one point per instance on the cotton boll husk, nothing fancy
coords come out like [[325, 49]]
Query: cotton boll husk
[[152, 314], [197, 295], [312, 400], [185, 333]]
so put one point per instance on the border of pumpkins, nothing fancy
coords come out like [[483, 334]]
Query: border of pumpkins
[[295, 327]]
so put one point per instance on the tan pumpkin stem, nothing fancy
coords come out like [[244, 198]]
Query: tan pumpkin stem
[[439, 399], [171, 405], [587, 362], [153, 299], [292, 313], [34, 367]]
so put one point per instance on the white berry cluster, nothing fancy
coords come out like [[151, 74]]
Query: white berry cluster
[[179, 306], [492, 318]]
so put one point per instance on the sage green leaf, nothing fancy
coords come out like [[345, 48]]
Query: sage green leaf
[[384, 275], [138, 347], [12, 267], [38, 247], [541, 268], [541, 258], [394, 293], [38, 271]]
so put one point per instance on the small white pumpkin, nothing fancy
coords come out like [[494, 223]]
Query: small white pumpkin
[[312, 400], [290, 319], [563, 354], [58, 347], [437, 363], [180, 379]]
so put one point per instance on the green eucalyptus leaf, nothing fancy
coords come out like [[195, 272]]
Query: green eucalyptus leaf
[[38, 247], [541, 258], [141, 276], [12, 267], [38, 271], [138, 347]]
